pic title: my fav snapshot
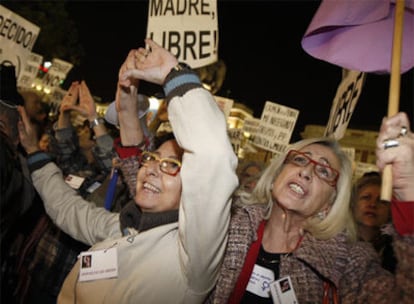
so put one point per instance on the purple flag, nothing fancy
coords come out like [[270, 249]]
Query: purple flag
[[358, 34]]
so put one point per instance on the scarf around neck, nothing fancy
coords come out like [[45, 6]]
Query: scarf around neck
[[132, 217]]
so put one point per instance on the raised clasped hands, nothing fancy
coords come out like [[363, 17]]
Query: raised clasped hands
[[126, 95], [86, 106], [152, 64], [70, 99], [395, 146]]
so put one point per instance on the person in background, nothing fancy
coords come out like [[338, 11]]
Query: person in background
[[41, 274], [170, 246], [17, 194], [44, 142], [76, 152], [249, 174], [297, 225], [14, 172], [373, 217]]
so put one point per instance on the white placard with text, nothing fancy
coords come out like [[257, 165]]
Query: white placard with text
[[188, 29], [275, 127], [17, 38]]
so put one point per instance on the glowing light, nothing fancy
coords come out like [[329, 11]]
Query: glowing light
[[47, 64], [154, 103]]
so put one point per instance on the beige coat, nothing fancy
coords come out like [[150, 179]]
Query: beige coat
[[173, 263]]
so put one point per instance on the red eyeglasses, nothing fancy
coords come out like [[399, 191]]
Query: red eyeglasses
[[324, 172]]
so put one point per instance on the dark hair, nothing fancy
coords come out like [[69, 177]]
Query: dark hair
[[371, 173], [162, 138]]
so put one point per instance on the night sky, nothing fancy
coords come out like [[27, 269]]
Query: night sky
[[259, 42]]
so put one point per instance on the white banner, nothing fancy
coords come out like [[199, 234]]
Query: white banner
[[30, 70], [276, 127], [188, 29], [17, 38], [56, 74], [344, 103]]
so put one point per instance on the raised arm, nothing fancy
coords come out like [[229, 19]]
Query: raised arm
[[77, 217], [208, 165], [126, 103]]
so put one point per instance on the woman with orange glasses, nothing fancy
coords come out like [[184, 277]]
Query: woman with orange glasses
[[167, 244]]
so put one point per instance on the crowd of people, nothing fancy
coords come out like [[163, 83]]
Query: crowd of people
[[90, 216]]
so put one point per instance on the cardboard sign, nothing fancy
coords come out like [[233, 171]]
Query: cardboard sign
[[344, 103], [188, 29], [17, 38], [56, 74], [275, 127], [29, 73]]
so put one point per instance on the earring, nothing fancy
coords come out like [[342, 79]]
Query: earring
[[321, 215]]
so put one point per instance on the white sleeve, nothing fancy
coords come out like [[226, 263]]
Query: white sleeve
[[70, 212], [208, 180]]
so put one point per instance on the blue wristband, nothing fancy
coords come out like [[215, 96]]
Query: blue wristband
[[179, 81], [36, 157]]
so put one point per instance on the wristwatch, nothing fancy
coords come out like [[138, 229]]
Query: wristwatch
[[181, 66]]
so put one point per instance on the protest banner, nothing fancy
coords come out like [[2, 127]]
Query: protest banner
[[17, 38], [275, 128], [30, 70], [344, 103], [56, 74], [188, 29]]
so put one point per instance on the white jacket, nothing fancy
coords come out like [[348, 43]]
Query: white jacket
[[173, 263]]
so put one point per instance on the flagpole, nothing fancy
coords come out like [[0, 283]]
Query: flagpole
[[394, 91]]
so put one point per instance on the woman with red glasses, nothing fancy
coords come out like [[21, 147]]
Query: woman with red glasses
[[166, 246], [293, 239]]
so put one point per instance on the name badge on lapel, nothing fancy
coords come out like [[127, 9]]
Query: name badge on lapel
[[99, 264]]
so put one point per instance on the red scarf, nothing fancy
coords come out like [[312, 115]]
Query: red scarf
[[247, 269]]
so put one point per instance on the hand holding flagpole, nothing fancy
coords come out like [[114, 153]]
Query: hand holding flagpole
[[394, 92]]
